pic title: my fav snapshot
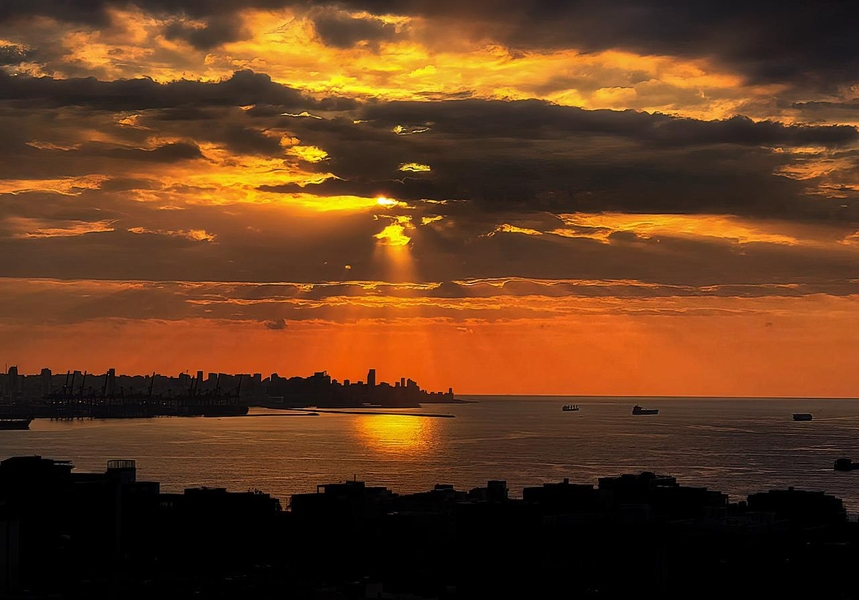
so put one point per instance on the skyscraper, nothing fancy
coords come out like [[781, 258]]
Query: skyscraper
[[110, 383], [46, 378]]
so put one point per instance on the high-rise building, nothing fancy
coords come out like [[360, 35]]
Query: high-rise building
[[12, 383], [371, 378], [47, 386], [110, 387]]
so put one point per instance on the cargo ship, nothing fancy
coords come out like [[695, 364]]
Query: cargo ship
[[15, 423]]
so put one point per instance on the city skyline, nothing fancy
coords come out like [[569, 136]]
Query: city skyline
[[79, 394], [14, 383], [188, 377], [589, 198]]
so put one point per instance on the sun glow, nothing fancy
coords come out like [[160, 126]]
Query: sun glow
[[388, 202], [415, 168], [393, 235], [393, 250], [310, 154], [395, 434]]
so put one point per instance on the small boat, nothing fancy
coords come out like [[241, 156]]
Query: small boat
[[845, 464], [637, 410], [570, 407], [15, 422], [802, 416]]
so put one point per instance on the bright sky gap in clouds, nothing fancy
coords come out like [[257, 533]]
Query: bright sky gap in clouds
[[509, 197]]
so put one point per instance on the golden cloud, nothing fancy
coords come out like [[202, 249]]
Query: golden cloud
[[39, 228], [196, 235]]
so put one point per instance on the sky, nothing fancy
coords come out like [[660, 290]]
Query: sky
[[590, 197]]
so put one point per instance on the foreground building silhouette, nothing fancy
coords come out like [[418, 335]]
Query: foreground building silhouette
[[107, 535]]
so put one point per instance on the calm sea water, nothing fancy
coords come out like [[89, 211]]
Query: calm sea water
[[737, 446]]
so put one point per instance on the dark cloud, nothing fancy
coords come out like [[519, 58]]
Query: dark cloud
[[803, 43], [265, 243], [821, 111], [13, 54], [520, 163], [344, 31], [51, 301], [249, 141], [167, 153], [96, 12], [72, 153], [532, 155], [810, 44], [536, 119], [852, 105], [268, 243], [498, 156], [276, 324], [124, 184], [258, 243], [213, 32], [243, 88], [92, 12]]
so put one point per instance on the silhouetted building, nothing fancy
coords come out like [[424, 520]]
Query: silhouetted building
[[110, 386], [46, 381], [800, 508], [564, 497], [11, 385], [68, 534]]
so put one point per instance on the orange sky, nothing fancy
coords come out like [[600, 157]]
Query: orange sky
[[527, 199], [698, 346]]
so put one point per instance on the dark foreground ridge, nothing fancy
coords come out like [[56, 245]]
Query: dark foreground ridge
[[108, 395], [106, 535]]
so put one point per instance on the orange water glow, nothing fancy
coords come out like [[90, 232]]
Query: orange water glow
[[402, 435]]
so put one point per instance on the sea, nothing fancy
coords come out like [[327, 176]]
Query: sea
[[735, 445]]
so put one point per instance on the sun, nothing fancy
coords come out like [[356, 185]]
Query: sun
[[387, 202]]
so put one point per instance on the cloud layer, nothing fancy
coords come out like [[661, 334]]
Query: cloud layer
[[268, 164]]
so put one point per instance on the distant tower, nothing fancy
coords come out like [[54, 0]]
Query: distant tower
[[46, 382], [13, 382], [110, 388], [371, 378]]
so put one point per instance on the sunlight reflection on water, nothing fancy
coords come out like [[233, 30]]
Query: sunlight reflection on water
[[398, 434]]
